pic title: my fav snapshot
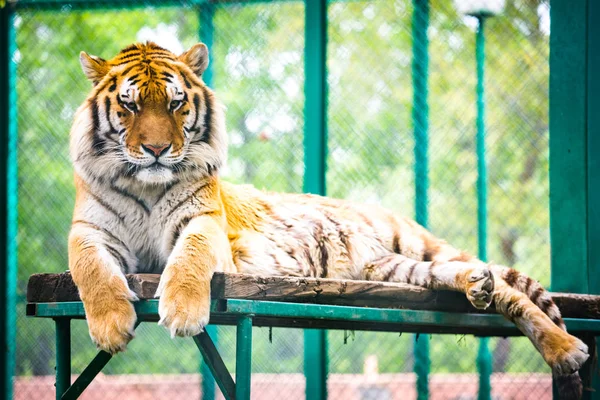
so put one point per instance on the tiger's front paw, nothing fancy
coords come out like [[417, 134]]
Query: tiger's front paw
[[184, 305], [111, 322], [480, 287]]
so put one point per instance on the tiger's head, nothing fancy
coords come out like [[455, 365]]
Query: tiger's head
[[149, 118]]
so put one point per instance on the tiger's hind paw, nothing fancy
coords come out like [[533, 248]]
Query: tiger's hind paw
[[568, 356], [480, 287]]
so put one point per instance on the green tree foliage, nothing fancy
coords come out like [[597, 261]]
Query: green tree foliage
[[258, 67]]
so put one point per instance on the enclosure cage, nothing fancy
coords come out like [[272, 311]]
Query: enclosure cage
[[380, 101]]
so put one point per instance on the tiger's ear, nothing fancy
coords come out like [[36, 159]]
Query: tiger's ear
[[95, 68], [196, 58]]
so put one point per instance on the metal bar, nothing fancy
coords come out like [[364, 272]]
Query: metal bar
[[89, 373], [484, 358], [148, 310], [315, 363], [215, 366], [243, 358], [207, 31], [207, 28], [87, 376], [568, 147], [63, 356], [315, 166], [8, 197], [593, 172], [420, 116]]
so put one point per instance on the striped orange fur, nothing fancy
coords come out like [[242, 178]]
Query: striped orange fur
[[147, 146]]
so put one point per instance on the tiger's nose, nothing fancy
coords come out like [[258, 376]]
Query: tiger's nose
[[156, 150]]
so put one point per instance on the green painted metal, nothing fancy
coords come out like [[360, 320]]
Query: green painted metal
[[315, 363], [63, 356], [243, 358], [593, 167], [568, 147], [214, 365], [484, 358], [420, 116], [315, 91], [87, 376], [207, 35], [8, 197], [315, 165], [148, 310], [207, 30]]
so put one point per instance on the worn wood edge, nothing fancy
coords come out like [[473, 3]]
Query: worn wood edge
[[60, 288]]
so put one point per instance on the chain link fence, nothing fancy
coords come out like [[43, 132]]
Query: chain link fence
[[258, 70]]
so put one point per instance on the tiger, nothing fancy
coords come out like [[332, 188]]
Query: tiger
[[148, 145]]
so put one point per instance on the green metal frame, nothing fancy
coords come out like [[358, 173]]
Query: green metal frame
[[420, 117], [574, 150], [315, 166], [243, 313], [8, 197]]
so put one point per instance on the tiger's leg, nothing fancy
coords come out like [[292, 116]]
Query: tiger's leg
[[525, 302], [476, 281], [564, 353], [96, 260], [184, 287]]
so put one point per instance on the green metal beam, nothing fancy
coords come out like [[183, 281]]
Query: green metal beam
[[215, 366], [148, 310], [420, 116], [568, 147], [574, 147], [243, 358], [8, 197], [315, 166], [63, 356], [484, 358]]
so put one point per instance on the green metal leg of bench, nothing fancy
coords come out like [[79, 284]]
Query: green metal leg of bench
[[88, 375], [215, 363], [243, 358], [63, 355]]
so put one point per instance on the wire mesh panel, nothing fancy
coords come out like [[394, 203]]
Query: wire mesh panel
[[258, 73]]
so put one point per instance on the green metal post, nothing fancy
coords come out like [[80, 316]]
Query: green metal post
[[420, 116], [315, 166], [8, 197], [243, 358], [484, 358], [574, 149], [207, 28], [63, 356], [208, 381]]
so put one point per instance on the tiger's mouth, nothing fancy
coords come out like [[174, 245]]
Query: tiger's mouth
[[155, 173]]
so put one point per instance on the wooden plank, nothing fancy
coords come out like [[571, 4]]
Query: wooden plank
[[47, 288]]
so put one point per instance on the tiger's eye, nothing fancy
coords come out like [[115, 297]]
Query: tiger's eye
[[130, 105], [175, 104]]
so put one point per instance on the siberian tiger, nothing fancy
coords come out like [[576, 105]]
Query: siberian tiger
[[147, 146]]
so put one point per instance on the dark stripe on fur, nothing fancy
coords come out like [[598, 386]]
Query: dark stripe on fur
[[125, 193], [107, 113], [97, 141], [569, 387], [185, 80], [118, 256], [538, 292], [196, 102], [511, 277], [207, 133], [324, 255], [107, 206], [187, 199], [104, 231]]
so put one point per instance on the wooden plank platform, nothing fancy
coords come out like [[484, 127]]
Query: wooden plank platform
[[52, 288]]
